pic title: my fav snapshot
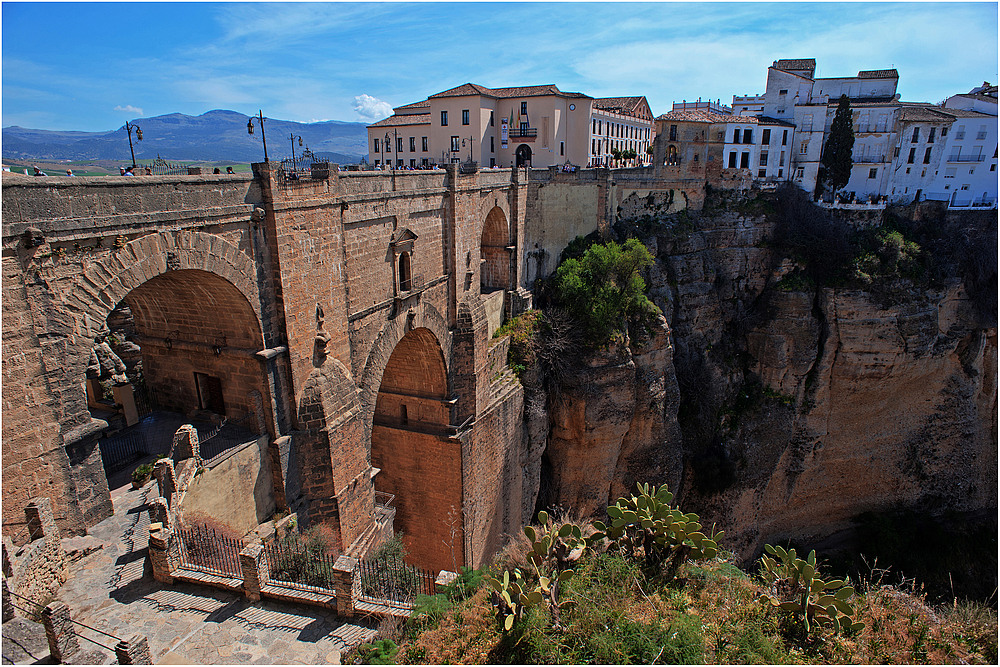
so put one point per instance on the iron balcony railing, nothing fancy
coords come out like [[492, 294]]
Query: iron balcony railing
[[966, 158], [523, 133], [869, 159]]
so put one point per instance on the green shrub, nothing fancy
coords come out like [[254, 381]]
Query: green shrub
[[604, 291], [142, 473], [381, 652]]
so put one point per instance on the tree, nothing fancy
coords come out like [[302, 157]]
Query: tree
[[837, 157], [604, 292]]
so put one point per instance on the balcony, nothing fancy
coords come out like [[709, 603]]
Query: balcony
[[980, 136], [523, 133], [869, 159], [966, 158]]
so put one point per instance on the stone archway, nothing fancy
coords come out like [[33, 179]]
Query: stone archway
[[495, 264], [421, 465], [523, 155]]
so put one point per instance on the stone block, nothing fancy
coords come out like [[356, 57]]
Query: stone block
[[59, 631], [133, 651]]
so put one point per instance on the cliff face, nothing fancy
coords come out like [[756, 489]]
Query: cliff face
[[781, 414]]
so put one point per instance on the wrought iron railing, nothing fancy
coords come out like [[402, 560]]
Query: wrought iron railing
[[160, 167], [386, 577], [292, 561], [205, 550], [966, 158], [122, 449], [523, 133]]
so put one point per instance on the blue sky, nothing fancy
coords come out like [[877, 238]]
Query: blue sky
[[91, 66]]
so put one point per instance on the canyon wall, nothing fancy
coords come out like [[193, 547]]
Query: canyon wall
[[778, 409]]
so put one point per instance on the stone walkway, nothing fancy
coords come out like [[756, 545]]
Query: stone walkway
[[188, 624]]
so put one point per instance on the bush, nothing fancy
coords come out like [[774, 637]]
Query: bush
[[142, 474], [604, 292], [381, 652]]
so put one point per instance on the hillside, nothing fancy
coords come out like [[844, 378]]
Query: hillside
[[217, 135]]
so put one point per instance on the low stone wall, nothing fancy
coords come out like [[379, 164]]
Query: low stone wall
[[36, 570]]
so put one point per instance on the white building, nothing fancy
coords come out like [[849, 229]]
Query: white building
[[620, 123], [967, 175]]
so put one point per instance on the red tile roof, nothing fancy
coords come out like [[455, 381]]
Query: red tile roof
[[523, 91], [801, 63], [704, 116], [878, 74], [405, 119]]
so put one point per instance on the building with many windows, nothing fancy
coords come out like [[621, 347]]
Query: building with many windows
[[532, 125]]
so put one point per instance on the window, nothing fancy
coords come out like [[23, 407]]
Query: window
[[444, 118], [765, 137], [748, 136], [491, 119], [944, 131], [524, 108], [736, 136], [493, 162], [981, 134], [916, 135], [403, 417], [732, 160], [399, 144], [873, 173], [745, 160], [673, 133], [399, 163], [413, 163], [376, 147], [455, 146], [927, 155], [423, 161], [784, 137], [492, 149], [949, 172], [895, 153], [804, 148], [800, 172], [909, 159], [404, 272], [781, 160], [965, 187], [465, 116], [783, 91], [993, 167], [761, 173], [960, 134], [423, 144], [562, 148], [930, 137], [413, 144], [781, 172], [763, 159]]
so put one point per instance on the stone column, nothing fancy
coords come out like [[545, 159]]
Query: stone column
[[185, 444], [159, 512], [253, 564], [59, 631], [347, 581], [8, 604], [133, 651], [125, 397], [166, 480], [164, 552], [41, 522]]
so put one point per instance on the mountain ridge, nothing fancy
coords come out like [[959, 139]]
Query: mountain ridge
[[218, 134]]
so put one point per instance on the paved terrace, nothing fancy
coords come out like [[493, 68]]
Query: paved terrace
[[188, 624]]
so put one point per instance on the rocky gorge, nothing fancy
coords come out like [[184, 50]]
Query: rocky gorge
[[799, 381]]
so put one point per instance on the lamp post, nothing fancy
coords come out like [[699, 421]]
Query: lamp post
[[385, 149], [292, 137], [138, 135], [260, 116]]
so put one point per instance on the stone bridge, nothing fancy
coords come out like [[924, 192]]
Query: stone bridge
[[351, 312]]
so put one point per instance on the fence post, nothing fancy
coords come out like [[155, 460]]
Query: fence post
[[8, 605], [134, 651], [164, 552], [185, 444], [59, 631], [41, 522], [166, 479], [347, 580], [159, 512], [253, 564]]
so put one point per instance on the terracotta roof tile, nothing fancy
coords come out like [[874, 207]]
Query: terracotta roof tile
[[968, 113], [522, 91], [425, 104], [703, 116], [405, 119], [801, 63], [922, 113], [878, 74]]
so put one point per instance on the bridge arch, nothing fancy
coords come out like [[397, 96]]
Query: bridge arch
[[419, 462], [495, 264]]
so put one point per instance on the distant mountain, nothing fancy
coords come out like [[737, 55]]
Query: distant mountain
[[213, 136]]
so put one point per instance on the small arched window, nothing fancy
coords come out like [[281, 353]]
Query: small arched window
[[404, 272]]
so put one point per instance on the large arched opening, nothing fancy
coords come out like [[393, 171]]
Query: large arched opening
[[523, 155], [495, 264], [179, 348], [421, 465]]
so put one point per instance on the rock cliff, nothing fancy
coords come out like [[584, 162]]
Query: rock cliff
[[779, 409]]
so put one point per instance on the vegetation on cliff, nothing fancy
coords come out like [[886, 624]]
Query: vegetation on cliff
[[618, 607]]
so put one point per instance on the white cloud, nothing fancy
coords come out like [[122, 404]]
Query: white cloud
[[371, 108], [128, 108]]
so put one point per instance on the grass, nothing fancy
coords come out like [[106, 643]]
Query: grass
[[713, 616]]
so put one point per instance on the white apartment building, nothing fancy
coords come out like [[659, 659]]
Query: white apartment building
[[967, 175], [748, 105], [622, 123]]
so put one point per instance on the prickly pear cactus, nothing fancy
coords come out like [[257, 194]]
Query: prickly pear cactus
[[511, 596], [647, 522], [794, 585]]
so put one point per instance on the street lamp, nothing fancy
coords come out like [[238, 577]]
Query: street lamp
[[385, 149], [260, 116], [138, 135], [292, 137]]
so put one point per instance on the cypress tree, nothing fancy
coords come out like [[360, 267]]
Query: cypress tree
[[837, 157]]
